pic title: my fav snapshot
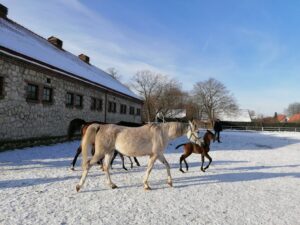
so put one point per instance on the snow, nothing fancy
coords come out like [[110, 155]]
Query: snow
[[253, 179], [22, 40]]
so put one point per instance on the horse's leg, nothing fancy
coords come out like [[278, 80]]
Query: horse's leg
[[180, 163], [151, 161], [75, 158], [123, 161], [202, 159], [163, 160], [136, 161], [209, 158], [83, 176], [100, 162], [182, 158], [186, 165], [113, 158], [108, 158], [131, 163], [86, 168]]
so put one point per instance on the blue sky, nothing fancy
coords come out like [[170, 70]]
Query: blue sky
[[252, 46]]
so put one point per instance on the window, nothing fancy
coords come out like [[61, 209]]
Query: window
[[123, 109], [78, 100], [131, 110], [1, 86], [138, 112], [96, 104], [47, 94], [93, 104], [70, 99], [32, 92], [112, 107]]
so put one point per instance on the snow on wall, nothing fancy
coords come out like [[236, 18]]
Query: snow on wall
[[23, 41]]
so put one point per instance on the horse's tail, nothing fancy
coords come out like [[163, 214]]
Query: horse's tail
[[87, 141], [74, 125], [180, 145]]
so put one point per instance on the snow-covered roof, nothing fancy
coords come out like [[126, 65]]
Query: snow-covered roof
[[241, 115], [14, 38]]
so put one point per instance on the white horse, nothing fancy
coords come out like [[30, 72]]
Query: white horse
[[149, 140]]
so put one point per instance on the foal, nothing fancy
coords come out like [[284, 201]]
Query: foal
[[203, 149]]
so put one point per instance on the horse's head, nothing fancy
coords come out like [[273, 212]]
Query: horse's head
[[209, 136], [176, 129]]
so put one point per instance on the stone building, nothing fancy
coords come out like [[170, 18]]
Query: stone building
[[43, 87]]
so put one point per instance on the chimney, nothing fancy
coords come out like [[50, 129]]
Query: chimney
[[56, 42], [84, 58], [3, 11]]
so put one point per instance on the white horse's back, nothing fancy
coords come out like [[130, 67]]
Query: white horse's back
[[135, 141]]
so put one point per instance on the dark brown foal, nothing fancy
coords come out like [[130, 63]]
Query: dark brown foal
[[189, 148]]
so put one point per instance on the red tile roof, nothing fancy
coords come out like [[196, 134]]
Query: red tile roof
[[295, 118], [281, 118]]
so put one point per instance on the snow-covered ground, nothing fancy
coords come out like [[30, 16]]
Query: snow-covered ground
[[254, 179]]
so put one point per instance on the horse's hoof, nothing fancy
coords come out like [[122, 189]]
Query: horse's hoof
[[113, 186], [203, 170], [77, 187], [170, 183], [147, 188], [181, 171], [125, 168], [72, 168]]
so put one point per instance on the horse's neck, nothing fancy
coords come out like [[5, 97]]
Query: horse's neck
[[206, 139]]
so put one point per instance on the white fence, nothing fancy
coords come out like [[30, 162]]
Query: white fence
[[259, 128]]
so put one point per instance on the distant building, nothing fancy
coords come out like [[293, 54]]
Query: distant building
[[43, 87], [281, 118], [241, 115], [172, 114], [294, 118]]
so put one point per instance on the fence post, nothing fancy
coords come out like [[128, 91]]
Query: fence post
[[279, 129], [262, 128]]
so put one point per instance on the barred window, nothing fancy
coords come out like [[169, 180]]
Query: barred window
[[112, 107], [69, 99], [78, 100], [131, 110], [123, 109], [1, 86], [93, 103], [138, 112], [47, 94], [32, 92], [96, 104], [99, 104]]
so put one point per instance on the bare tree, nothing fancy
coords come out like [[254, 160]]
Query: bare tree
[[160, 92], [114, 73], [214, 98], [149, 85], [172, 97], [293, 108]]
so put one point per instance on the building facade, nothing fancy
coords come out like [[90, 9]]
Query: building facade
[[40, 95]]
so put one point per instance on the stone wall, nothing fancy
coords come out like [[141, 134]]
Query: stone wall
[[23, 119]]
